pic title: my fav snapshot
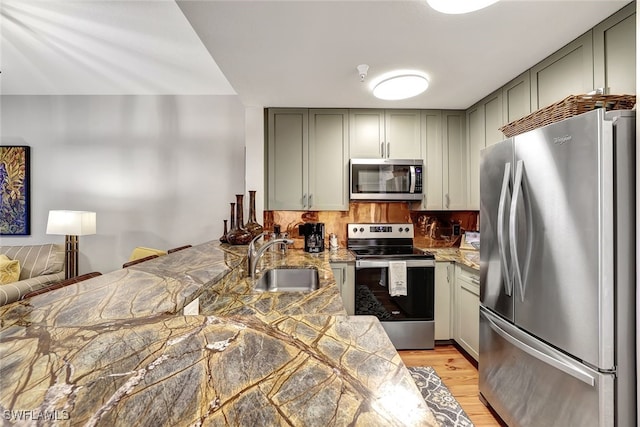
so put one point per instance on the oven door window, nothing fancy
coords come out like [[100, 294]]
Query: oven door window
[[373, 299]]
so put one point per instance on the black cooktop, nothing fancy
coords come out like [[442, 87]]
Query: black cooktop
[[391, 252]]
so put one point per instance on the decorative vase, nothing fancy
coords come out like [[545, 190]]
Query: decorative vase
[[252, 225], [232, 222], [223, 238], [239, 235]]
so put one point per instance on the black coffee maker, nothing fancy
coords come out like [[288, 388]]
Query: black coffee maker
[[313, 233]]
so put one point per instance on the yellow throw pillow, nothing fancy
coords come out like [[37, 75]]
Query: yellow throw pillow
[[141, 252], [9, 270]]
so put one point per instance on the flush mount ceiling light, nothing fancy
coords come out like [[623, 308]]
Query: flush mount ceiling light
[[459, 6], [399, 85]]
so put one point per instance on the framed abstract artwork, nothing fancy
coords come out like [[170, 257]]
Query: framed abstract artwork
[[15, 215]]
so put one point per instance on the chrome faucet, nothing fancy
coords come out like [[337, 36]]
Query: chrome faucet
[[254, 256], [251, 251]]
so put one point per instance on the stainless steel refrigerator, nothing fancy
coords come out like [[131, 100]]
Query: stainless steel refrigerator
[[557, 273]]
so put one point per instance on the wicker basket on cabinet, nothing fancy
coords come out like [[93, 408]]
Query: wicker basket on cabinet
[[568, 107]]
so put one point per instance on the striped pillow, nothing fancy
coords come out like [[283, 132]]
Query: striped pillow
[[36, 260]]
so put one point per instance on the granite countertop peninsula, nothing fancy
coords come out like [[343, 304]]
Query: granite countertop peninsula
[[117, 350], [467, 257]]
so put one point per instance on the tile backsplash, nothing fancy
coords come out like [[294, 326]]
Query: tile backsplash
[[433, 229]]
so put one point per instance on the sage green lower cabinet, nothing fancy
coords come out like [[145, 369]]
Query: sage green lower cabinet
[[466, 324], [443, 300], [344, 273]]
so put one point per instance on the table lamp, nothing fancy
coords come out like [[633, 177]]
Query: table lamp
[[71, 224]]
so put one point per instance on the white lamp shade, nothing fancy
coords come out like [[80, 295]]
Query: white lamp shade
[[71, 223]]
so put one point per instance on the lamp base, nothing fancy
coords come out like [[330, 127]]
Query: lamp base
[[71, 256]]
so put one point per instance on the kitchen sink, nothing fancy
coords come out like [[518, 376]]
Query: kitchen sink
[[288, 280]]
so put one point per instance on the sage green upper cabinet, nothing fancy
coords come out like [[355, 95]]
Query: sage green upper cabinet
[[516, 98], [493, 118], [384, 134], [432, 185], [366, 133], [484, 120], [287, 158], [328, 160], [568, 71], [475, 142], [614, 46], [307, 159], [455, 158], [402, 131], [445, 160]]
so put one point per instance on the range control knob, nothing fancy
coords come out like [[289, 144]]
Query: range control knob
[[400, 229], [355, 229], [406, 229], [362, 229]]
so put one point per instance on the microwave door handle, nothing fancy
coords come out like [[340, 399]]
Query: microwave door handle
[[412, 179]]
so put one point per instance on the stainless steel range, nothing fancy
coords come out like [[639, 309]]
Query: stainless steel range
[[394, 282]]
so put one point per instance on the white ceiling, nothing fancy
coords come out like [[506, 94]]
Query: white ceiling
[[279, 53]]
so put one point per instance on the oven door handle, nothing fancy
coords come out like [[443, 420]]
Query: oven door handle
[[381, 263]]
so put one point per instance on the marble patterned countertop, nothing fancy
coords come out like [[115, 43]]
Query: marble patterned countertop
[[466, 257], [116, 350]]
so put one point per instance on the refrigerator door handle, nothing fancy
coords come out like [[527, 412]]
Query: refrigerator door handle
[[548, 359], [504, 263], [518, 192]]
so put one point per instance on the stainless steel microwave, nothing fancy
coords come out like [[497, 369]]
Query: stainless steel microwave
[[385, 179]]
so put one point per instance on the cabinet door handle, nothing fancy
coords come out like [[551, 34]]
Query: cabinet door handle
[[304, 200], [388, 149], [382, 149], [310, 200]]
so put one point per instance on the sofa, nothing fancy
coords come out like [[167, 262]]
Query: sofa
[[39, 266]]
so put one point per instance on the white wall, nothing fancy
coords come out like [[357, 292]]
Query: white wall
[[254, 140], [159, 171]]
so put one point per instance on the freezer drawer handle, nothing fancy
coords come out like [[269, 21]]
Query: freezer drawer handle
[[567, 369], [504, 263]]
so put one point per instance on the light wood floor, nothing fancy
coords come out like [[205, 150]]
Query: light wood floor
[[460, 377]]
